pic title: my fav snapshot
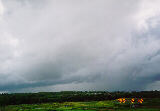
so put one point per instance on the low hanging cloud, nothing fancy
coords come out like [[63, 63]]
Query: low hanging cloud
[[53, 45]]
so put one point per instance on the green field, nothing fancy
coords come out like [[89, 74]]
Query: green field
[[112, 105]]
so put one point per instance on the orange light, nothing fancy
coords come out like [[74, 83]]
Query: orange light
[[121, 100], [140, 100], [124, 100], [132, 100]]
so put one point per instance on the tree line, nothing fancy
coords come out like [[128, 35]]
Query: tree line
[[63, 96]]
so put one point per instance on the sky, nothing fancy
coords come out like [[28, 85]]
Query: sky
[[61, 45]]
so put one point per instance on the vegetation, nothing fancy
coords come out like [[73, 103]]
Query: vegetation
[[87, 106], [79, 101]]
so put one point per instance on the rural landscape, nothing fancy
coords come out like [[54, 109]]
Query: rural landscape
[[81, 100], [79, 55]]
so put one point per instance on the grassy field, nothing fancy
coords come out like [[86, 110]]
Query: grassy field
[[112, 105]]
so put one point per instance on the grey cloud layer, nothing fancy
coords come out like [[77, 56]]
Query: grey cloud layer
[[92, 44]]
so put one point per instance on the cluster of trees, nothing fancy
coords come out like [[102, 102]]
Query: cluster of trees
[[44, 97]]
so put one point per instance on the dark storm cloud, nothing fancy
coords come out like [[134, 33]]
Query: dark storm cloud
[[79, 45]]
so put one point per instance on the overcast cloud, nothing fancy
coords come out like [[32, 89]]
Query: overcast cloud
[[54, 45]]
